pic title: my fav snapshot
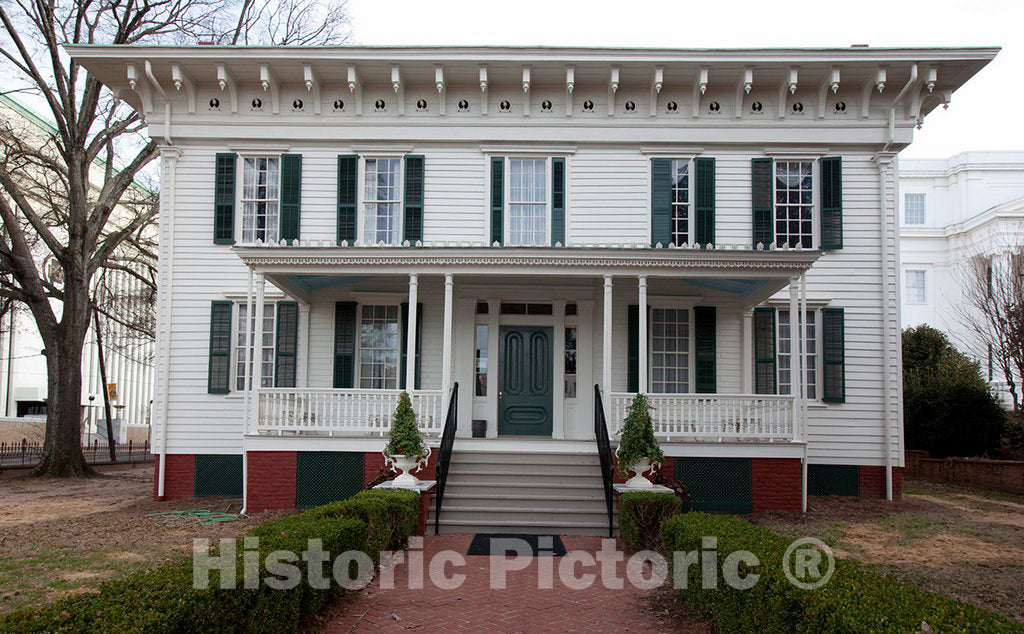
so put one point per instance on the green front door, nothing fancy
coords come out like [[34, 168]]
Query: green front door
[[524, 393]]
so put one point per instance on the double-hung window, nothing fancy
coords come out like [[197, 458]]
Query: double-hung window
[[916, 289], [379, 342], [787, 349], [528, 202], [382, 202], [266, 329], [261, 199], [913, 209], [680, 202], [670, 350], [794, 204]]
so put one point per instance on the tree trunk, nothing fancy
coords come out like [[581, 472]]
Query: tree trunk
[[62, 453]]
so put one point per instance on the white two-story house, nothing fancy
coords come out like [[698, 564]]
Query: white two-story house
[[549, 230]]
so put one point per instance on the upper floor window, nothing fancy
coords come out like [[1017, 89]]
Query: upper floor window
[[379, 343], [528, 202], [915, 287], [680, 201], [382, 201], [266, 330], [794, 204], [261, 191], [670, 350], [913, 209], [786, 350]]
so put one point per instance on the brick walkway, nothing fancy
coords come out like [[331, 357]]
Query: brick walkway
[[521, 607]]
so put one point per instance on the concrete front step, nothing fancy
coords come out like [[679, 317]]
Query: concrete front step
[[554, 490], [517, 499], [526, 468], [516, 478], [599, 529], [508, 457]]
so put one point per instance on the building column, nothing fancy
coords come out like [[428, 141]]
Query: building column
[[256, 368], [446, 351], [606, 365], [586, 361], [302, 362], [410, 337], [493, 380], [247, 409], [804, 384], [642, 384], [747, 352], [558, 372], [793, 338]]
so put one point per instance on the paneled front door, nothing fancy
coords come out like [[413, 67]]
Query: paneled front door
[[525, 385]]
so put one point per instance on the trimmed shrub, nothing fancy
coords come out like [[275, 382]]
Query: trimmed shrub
[[636, 438], [641, 515], [164, 600], [404, 437], [948, 408], [854, 599]]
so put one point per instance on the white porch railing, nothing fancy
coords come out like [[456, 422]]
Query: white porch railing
[[342, 411], [712, 416]]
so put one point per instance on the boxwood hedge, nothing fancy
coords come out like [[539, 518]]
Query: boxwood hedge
[[854, 600], [164, 600], [641, 514]]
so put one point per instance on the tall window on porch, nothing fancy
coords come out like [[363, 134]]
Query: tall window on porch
[[680, 202], [570, 362], [794, 204], [786, 355], [670, 350], [265, 330], [379, 353], [527, 202], [480, 361], [261, 192], [381, 200]]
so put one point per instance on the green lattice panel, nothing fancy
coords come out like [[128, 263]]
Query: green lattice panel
[[328, 476], [832, 479], [717, 485], [219, 476]]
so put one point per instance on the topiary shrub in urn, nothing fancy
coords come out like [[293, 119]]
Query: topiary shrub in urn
[[405, 450], [638, 449]]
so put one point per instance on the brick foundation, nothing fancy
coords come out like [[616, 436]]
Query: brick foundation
[[272, 480], [180, 480], [373, 463], [777, 484], [871, 482]]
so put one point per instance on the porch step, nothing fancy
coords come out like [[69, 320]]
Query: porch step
[[505, 491]]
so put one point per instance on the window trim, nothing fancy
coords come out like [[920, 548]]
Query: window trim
[[358, 352], [815, 162], [548, 199], [361, 197], [691, 351], [236, 348], [816, 311], [924, 287], [239, 220]]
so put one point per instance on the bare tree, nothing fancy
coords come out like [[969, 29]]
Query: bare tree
[[993, 311], [63, 217]]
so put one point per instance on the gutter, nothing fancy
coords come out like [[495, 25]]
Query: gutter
[[892, 111]]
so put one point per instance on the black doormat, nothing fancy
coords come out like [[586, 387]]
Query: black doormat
[[526, 545]]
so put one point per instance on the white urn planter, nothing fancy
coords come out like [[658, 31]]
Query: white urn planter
[[404, 465], [639, 481]]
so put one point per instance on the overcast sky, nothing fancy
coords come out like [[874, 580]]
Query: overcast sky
[[982, 116]]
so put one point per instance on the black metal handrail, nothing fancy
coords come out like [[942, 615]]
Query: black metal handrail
[[604, 450], [444, 454]]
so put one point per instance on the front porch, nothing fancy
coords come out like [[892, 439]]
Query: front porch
[[476, 313]]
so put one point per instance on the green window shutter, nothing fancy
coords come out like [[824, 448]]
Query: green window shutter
[[291, 195], [764, 351], [497, 199], [762, 201], [705, 200], [704, 336], [413, 199], [661, 201], [287, 344], [224, 199], [633, 349], [344, 344], [404, 325], [219, 374], [558, 201], [348, 183], [833, 349], [832, 203]]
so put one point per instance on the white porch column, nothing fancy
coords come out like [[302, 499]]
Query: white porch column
[[558, 371], [794, 384], [302, 366], [255, 319], [247, 409], [606, 350], [804, 384], [747, 352], [642, 334], [446, 351], [410, 337]]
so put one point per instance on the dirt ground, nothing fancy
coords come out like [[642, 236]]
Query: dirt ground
[[963, 543], [64, 538]]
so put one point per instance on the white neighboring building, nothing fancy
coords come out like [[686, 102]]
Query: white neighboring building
[[23, 389], [952, 210]]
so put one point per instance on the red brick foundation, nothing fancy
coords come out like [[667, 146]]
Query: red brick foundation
[[871, 482], [272, 480], [777, 484], [373, 463], [180, 480]]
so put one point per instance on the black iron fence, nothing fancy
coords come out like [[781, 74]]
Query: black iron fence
[[26, 454]]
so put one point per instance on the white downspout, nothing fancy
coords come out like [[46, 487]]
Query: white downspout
[[166, 240], [883, 167], [892, 111]]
